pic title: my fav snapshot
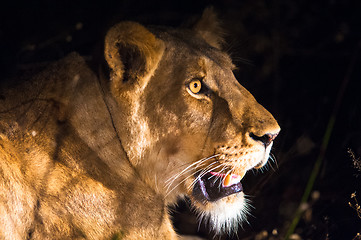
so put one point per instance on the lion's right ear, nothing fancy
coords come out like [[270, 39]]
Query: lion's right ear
[[133, 54], [209, 28]]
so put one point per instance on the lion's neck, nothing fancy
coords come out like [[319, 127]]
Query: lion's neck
[[92, 116]]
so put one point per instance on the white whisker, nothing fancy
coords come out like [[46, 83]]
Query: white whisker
[[218, 177], [198, 163], [195, 163], [168, 192], [191, 167], [204, 172], [273, 159], [228, 172]]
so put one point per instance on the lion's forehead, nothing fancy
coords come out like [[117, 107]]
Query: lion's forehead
[[185, 44]]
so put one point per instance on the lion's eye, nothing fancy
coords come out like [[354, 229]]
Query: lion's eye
[[195, 86]]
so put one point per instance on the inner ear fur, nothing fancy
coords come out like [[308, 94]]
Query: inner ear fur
[[210, 29], [132, 53]]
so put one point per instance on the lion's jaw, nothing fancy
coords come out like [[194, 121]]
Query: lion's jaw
[[217, 194]]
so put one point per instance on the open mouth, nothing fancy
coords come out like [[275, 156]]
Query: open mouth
[[213, 186]]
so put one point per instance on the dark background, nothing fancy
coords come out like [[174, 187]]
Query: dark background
[[295, 56]]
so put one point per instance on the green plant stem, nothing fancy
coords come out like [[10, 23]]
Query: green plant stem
[[312, 178], [324, 145]]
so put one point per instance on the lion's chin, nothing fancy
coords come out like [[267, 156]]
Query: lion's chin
[[225, 214], [218, 202]]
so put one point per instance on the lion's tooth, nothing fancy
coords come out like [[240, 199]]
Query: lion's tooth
[[227, 180], [231, 179]]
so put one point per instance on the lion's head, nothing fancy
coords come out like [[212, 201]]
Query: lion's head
[[187, 125]]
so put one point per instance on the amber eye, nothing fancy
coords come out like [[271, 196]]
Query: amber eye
[[195, 86]]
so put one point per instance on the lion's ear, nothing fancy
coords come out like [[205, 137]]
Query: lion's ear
[[209, 28], [132, 53]]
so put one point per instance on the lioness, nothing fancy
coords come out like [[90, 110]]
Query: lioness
[[86, 156]]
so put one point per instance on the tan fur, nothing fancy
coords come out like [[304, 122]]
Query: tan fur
[[99, 157]]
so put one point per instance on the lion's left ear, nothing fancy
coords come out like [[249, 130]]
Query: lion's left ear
[[209, 28], [132, 53]]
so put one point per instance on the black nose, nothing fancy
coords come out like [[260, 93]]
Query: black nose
[[266, 139]]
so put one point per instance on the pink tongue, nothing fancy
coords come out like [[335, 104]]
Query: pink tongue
[[228, 179]]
